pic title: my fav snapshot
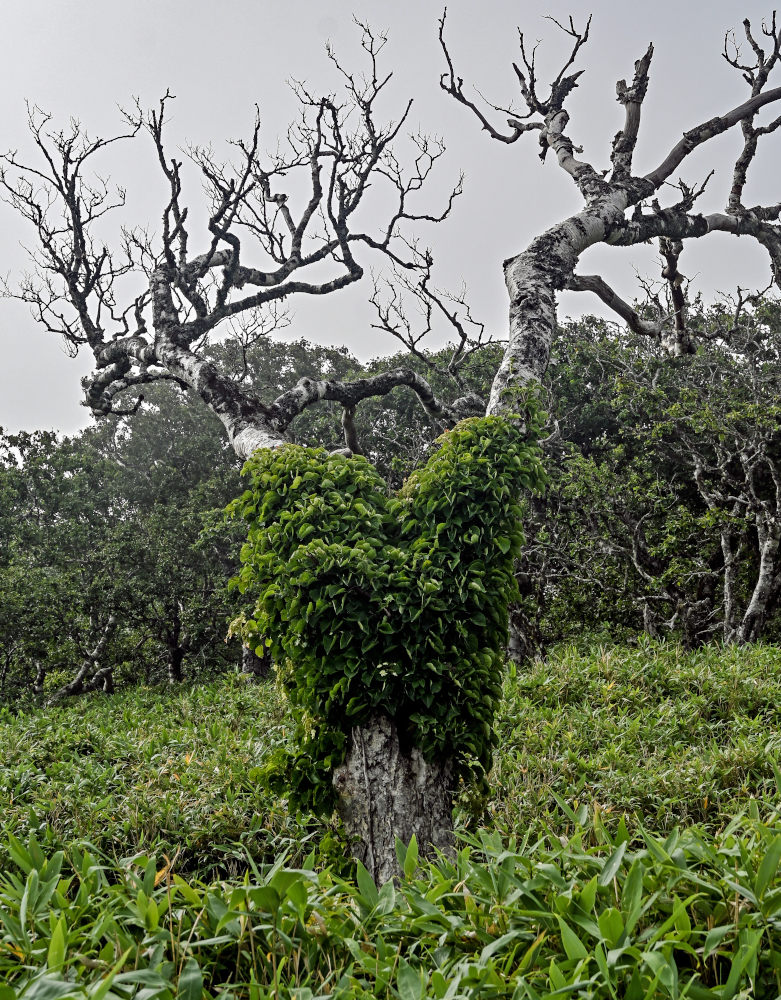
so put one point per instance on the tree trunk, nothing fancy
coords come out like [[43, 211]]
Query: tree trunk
[[4, 671], [178, 645], [753, 622], [175, 660], [40, 677], [525, 641], [386, 791], [731, 562], [89, 667], [104, 680], [256, 668]]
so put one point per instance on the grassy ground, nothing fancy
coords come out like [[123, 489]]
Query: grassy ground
[[576, 878], [662, 736]]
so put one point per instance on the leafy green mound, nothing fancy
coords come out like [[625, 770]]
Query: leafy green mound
[[394, 605]]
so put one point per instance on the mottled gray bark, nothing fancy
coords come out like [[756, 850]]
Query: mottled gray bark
[[769, 532], [387, 791], [91, 666], [40, 677], [103, 680], [255, 667], [731, 550]]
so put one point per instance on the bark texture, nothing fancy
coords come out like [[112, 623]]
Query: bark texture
[[92, 674], [255, 667], [387, 791]]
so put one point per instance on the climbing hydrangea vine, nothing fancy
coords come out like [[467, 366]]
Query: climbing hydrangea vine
[[374, 603]]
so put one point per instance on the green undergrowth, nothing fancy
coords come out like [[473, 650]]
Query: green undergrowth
[[633, 851], [151, 770], [660, 736], [663, 736], [583, 916]]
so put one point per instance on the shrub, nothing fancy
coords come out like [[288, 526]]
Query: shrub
[[375, 604]]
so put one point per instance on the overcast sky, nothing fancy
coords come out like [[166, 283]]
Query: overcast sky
[[86, 58]]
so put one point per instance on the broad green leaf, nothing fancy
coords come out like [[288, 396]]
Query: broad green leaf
[[588, 895], [366, 885], [190, 894], [411, 857], [746, 952], [714, 938], [19, 854], [632, 892], [557, 977], [611, 926], [48, 988], [497, 945], [612, 865], [56, 954], [573, 946], [190, 986], [409, 982], [768, 867]]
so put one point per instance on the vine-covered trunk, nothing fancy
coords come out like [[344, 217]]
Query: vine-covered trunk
[[387, 791]]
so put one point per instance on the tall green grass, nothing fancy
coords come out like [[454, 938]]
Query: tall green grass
[[663, 736], [585, 915], [631, 848]]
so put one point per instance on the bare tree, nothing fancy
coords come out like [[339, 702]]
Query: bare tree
[[620, 207], [260, 248]]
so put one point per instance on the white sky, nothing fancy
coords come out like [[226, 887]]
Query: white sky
[[84, 58]]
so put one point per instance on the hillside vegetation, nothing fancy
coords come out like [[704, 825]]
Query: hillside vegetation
[[630, 847]]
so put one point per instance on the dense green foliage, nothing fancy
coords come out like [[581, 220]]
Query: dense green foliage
[[56, 592], [577, 895], [664, 485], [109, 525], [393, 605], [124, 520]]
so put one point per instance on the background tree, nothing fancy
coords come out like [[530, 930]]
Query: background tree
[[661, 508], [620, 208], [60, 594]]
